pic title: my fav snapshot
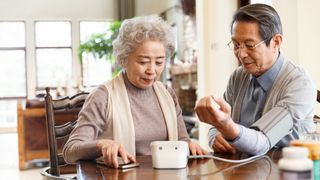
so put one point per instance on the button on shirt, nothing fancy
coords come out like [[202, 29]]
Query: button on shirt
[[256, 94]]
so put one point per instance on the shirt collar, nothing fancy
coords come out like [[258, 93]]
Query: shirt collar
[[266, 79]]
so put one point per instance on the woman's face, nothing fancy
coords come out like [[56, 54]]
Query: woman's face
[[146, 63]]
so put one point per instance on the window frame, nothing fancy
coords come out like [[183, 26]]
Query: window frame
[[25, 60], [37, 87], [83, 84]]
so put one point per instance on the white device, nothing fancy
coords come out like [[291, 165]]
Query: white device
[[169, 154]]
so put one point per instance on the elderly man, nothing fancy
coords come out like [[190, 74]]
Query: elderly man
[[267, 97]]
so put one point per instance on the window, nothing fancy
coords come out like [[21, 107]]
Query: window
[[53, 53], [94, 70], [12, 60], [8, 113], [12, 70]]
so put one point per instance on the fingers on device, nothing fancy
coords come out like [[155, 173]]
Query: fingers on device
[[128, 165], [169, 154], [122, 165]]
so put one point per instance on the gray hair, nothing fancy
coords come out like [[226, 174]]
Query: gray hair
[[266, 16], [133, 32]]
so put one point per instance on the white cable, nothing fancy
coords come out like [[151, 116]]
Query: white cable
[[210, 155]]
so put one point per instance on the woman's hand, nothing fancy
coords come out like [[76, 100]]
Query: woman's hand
[[110, 151], [195, 149]]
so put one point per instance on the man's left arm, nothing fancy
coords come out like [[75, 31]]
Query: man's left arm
[[297, 97], [289, 106]]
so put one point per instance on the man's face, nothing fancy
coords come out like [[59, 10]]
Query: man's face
[[258, 59], [146, 63]]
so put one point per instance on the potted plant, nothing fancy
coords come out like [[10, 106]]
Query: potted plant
[[100, 45]]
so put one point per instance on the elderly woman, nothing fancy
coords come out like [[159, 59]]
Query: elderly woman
[[124, 115]]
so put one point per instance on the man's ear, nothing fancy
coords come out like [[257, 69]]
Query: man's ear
[[277, 39]]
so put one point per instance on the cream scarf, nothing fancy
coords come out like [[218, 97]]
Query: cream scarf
[[122, 127]]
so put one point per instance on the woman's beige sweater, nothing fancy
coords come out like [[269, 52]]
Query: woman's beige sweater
[[148, 120]]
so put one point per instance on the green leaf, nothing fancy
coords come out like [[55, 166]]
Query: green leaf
[[100, 44]]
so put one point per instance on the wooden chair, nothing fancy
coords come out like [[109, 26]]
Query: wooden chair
[[33, 146], [67, 108]]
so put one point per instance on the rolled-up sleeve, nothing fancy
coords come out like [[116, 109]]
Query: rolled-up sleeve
[[251, 141]]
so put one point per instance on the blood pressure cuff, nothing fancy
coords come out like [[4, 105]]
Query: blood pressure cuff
[[275, 124]]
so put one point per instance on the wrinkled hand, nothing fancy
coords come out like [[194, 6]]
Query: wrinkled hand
[[222, 146], [110, 151], [213, 110], [217, 112], [195, 149]]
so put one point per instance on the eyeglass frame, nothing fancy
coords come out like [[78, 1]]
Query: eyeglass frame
[[248, 47]]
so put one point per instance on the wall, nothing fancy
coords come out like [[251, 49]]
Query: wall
[[216, 62], [309, 39], [52, 9], [147, 7], [301, 35]]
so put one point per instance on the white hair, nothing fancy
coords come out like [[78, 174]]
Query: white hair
[[133, 32]]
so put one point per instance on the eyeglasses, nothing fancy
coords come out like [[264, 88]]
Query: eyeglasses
[[248, 46]]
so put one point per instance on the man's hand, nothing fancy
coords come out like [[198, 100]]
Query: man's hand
[[217, 112], [213, 110], [111, 150], [221, 145]]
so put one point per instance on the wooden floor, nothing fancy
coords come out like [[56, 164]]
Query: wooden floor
[[9, 168]]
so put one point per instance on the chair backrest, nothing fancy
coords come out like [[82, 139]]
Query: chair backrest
[[61, 110]]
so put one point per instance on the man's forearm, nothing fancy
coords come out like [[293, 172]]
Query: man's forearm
[[229, 130], [251, 141]]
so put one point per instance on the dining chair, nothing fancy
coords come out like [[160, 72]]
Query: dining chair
[[66, 108]]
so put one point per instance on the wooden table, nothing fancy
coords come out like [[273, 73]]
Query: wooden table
[[262, 168]]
